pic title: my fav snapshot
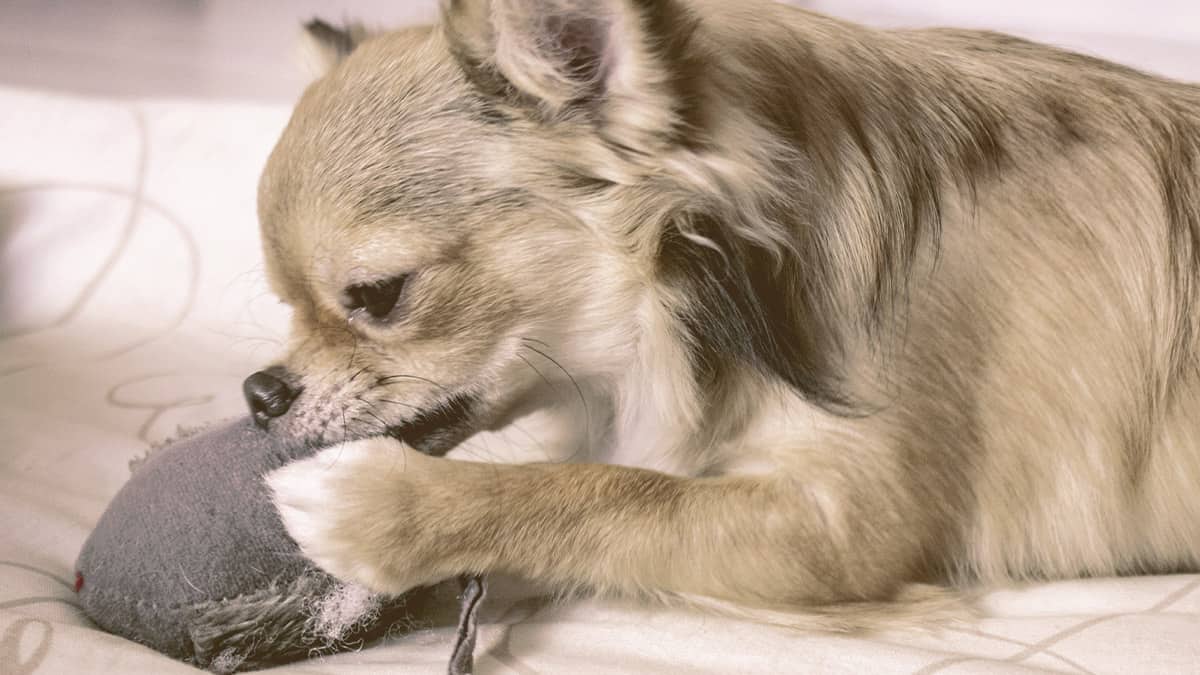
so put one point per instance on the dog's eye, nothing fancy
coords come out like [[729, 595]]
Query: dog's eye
[[378, 298]]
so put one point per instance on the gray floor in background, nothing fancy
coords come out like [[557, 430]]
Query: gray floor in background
[[191, 48], [249, 49]]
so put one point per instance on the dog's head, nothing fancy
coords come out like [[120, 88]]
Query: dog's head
[[460, 215]]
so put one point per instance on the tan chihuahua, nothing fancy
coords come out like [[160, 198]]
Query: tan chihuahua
[[831, 310]]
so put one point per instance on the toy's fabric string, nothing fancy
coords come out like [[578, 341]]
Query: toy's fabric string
[[462, 659]]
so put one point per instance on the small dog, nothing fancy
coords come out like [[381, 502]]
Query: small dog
[[829, 311]]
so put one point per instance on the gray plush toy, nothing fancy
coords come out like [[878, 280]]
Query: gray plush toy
[[191, 559]]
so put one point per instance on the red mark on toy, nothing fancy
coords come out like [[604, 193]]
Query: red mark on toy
[[78, 581]]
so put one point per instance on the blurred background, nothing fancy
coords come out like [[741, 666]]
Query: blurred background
[[250, 49]]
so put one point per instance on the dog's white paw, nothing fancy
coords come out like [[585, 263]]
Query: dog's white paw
[[340, 505]]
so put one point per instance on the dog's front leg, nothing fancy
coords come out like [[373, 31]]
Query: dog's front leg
[[391, 518]]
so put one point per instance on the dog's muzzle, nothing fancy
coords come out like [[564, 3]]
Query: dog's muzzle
[[437, 431]]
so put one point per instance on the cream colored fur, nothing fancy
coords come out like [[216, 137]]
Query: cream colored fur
[[818, 312]]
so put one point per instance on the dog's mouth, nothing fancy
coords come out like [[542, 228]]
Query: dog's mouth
[[438, 430]]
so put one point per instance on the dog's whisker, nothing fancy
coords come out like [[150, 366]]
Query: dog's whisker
[[530, 436], [542, 446], [399, 403], [383, 426], [472, 451], [587, 414], [534, 369], [370, 407], [389, 379]]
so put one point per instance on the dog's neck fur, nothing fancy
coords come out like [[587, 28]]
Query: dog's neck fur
[[759, 216]]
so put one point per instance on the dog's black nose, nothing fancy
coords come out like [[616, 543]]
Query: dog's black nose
[[268, 396]]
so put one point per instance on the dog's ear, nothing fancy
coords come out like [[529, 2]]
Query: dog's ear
[[626, 61], [329, 43]]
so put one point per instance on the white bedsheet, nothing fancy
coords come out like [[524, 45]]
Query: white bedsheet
[[132, 302]]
